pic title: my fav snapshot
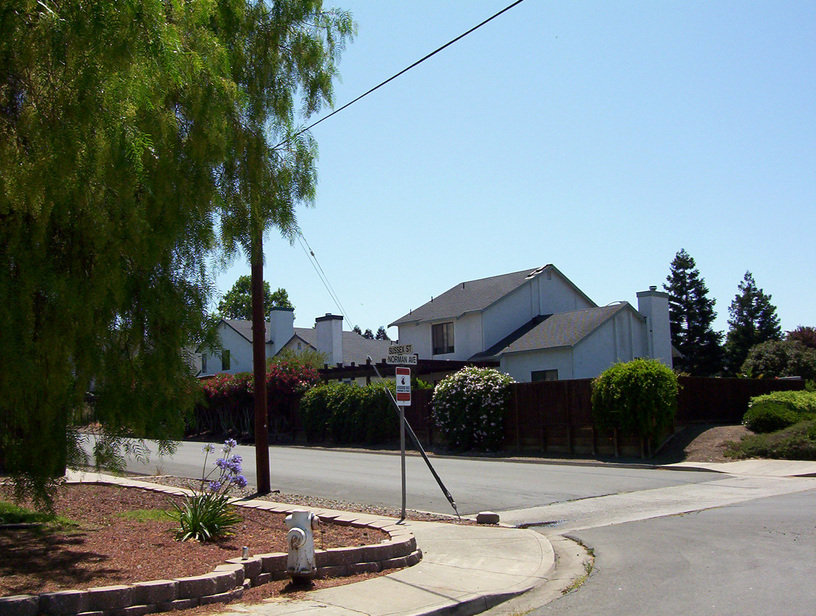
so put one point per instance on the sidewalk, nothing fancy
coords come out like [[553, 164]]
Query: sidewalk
[[464, 570], [755, 467]]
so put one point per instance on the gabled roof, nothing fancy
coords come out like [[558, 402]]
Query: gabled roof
[[565, 329], [244, 328], [477, 295], [355, 348]]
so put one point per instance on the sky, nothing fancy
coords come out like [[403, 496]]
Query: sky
[[599, 136]]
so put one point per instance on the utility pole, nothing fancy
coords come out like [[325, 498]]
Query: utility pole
[[259, 364]]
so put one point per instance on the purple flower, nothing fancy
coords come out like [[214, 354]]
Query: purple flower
[[230, 443], [208, 448], [240, 481], [214, 486]]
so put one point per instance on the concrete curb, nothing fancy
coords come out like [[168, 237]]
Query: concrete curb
[[227, 581]]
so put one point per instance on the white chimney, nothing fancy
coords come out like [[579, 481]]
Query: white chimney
[[654, 305], [330, 337], [281, 328]]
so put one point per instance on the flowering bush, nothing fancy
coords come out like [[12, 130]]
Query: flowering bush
[[229, 398], [207, 514], [469, 407]]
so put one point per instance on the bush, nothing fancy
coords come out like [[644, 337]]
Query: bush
[[796, 442], [347, 413], [778, 410], [639, 396], [769, 417], [469, 407], [777, 358]]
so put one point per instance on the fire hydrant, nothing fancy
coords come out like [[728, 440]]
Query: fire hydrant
[[300, 564]]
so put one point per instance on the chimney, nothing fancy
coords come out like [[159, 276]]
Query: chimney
[[654, 305], [281, 328], [330, 337]]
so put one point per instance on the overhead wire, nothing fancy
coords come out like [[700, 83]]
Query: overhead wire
[[301, 238]]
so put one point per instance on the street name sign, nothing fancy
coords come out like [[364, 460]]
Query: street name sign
[[401, 354]]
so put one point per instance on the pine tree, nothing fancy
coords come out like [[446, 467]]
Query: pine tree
[[368, 334], [691, 315], [381, 335], [753, 320]]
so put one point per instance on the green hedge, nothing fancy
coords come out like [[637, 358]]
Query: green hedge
[[779, 409], [639, 397], [346, 413]]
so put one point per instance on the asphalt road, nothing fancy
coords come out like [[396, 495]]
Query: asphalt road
[[751, 558], [476, 485]]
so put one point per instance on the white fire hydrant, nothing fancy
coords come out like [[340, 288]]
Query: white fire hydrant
[[300, 564]]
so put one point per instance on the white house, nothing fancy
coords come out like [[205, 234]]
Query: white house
[[538, 325], [327, 337]]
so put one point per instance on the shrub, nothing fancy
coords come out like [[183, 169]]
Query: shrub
[[639, 396], [469, 407], [776, 358], [348, 413], [778, 410], [769, 417], [796, 442]]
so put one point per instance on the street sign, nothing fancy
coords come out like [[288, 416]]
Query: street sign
[[401, 354], [403, 386], [405, 360]]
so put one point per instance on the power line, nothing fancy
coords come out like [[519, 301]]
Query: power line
[[405, 70], [321, 274]]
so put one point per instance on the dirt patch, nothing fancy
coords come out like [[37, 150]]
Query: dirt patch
[[701, 443], [107, 548]]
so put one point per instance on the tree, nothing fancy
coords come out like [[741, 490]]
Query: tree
[[127, 130], [113, 119], [237, 302], [368, 334], [282, 56], [753, 320], [805, 335], [777, 358], [381, 335], [356, 329], [691, 315]]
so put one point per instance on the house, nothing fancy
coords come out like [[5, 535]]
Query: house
[[327, 337], [539, 326]]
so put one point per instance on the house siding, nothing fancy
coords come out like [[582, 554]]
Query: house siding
[[521, 365]]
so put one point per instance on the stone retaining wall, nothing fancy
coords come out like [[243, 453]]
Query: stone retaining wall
[[228, 581]]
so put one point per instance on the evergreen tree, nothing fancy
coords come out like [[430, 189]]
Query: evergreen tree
[[237, 302], [804, 334], [753, 320], [368, 334], [356, 329], [381, 335], [691, 315]]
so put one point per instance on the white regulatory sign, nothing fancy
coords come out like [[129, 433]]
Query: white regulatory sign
[[409, 360]]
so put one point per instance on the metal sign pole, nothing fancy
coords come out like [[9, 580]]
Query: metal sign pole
[[402, 461], [414, 437]]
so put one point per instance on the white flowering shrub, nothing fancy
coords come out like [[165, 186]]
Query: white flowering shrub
[[469, 407]]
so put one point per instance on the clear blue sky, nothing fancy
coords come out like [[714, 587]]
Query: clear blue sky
[[599, 136]]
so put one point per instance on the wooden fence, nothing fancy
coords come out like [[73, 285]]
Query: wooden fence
[[556, 416]]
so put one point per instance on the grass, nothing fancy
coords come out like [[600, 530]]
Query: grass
[[796, 442], [589, 563], [147, 515], [14, 514]]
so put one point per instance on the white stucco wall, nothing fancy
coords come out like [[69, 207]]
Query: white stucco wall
[[621, 338], [467, 337], [508, 314], [521, 365], [240, 353], [556, 295]]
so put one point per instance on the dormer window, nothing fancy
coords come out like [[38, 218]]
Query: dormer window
[[442, 338]]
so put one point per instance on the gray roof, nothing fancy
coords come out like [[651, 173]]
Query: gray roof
[[355, 348], [476, 295], [244, 328], [565, 329]]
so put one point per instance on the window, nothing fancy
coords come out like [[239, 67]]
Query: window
[[544, 375], [225, 359], [442, 338], [204, 363]]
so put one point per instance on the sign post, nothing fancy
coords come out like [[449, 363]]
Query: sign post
[[403, 399]]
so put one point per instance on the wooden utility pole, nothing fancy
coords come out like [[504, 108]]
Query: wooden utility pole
[[259, 365]]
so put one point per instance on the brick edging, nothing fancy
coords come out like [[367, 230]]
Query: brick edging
[[227, 581]]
